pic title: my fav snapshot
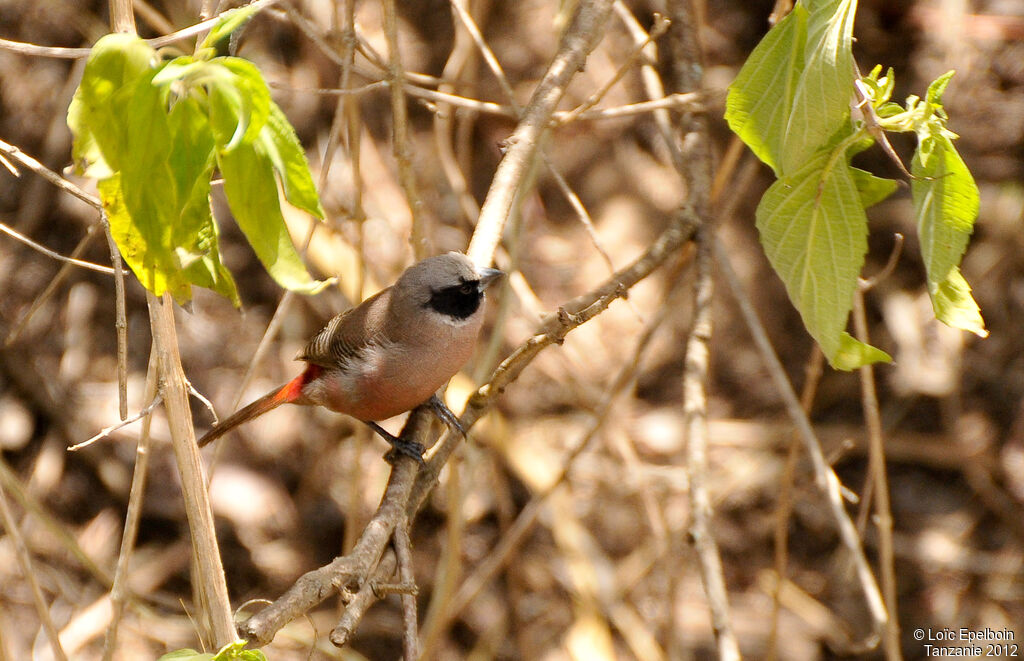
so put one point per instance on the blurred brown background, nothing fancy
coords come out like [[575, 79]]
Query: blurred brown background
[[606, 572]]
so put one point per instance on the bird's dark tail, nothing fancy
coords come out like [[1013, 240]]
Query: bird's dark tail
[[287, 393]]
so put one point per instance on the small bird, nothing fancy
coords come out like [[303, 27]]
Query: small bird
[[390, 353]]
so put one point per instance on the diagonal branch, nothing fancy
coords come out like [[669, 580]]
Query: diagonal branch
[[580, 38]]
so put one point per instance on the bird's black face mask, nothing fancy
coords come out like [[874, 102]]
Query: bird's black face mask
[[458, 301]]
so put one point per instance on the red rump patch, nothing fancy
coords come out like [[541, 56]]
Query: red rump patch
[[293, 389]]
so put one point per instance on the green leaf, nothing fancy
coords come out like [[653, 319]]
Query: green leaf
[[279, 142], [229, 22], [760, 100], [239, 101], [814, 232], [251, 190], [116, 62], [154, 132], [853, 353], [793, 92], [946, 205], [872, 189], [821, 100], [236, 652], [186, 655]]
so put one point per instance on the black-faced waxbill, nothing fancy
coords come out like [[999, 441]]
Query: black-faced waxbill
[[390, 353]]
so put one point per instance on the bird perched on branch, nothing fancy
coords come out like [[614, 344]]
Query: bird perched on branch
[[390, 353]]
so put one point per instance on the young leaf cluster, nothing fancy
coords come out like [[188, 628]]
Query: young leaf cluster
[[791, 104], [153, 132]]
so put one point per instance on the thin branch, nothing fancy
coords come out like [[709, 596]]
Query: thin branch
[[695, 378], [54, 255], [159, 42], [119, 591], [403, 553], [120, 319], [825, 477], [400, 146], [659, 28], [353, 568], [124, 422], [46, 173], [876, 464], [24, 559], [357, 604], [581, 36]]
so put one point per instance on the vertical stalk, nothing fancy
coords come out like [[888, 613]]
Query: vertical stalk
[[174, 391]]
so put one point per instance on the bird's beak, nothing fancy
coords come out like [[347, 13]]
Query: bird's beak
[[487, 276]]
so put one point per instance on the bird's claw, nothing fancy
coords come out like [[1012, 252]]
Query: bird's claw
[[403, 447], [399, 446], [445, 415]]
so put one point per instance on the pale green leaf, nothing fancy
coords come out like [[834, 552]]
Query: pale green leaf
[[821, 99], [792, 94], [115, 62], [946, 205], [853, 353], [239, 101], [760, 100], [281, 145], [186, 655], [814, 232], [251, 190], [229, 22], [954, 305], [872, 189], [157, 270]]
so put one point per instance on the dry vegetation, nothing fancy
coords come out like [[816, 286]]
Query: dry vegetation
[[602, 566]]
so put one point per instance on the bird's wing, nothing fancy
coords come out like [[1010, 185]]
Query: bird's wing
[[347, 335]]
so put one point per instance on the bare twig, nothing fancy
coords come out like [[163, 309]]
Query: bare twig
[[54, 255], [687, 64], [60, 182], [120, 320], [357, 604], [403, 553], [659, 28], [876, 467], [582, 35], [159, 42], [825, 477], [123, 423], [24, 559], [119, 591], [400, 134], [695, 375]]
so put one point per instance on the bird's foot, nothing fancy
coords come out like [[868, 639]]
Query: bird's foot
[[399, 446], [445, 415]]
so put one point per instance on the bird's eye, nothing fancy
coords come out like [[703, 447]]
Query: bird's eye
[[466, 288]]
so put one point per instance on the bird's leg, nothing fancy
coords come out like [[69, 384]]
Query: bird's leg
[[399, 445], [445, 415]]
